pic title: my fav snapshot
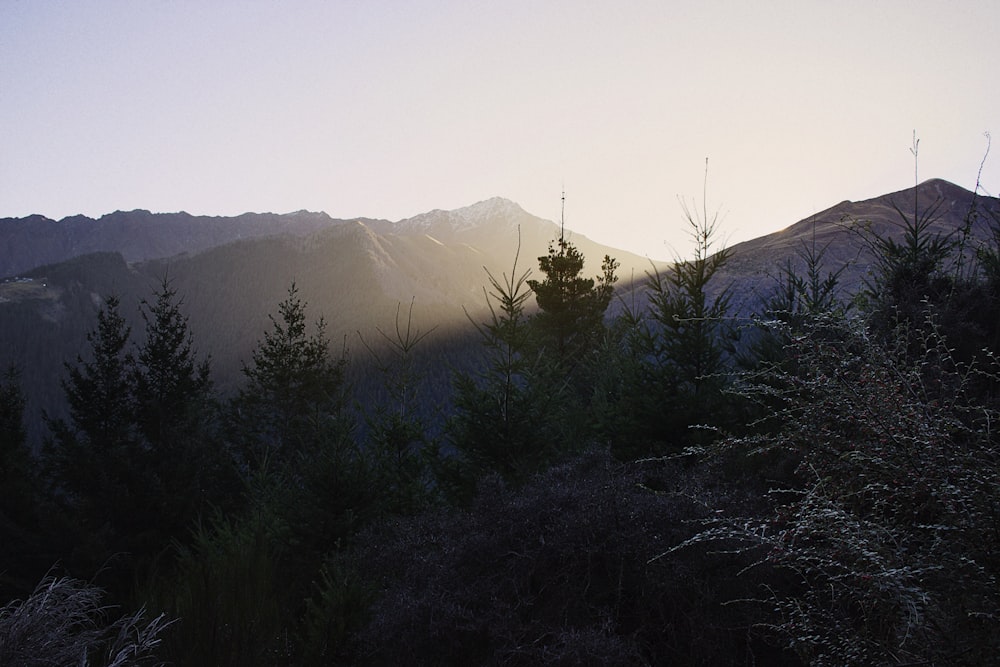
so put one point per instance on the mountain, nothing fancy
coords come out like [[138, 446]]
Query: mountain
[[843, 230], [356, 274], [26, 243], [360, 275]]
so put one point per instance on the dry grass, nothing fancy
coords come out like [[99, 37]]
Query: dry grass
[[63, 623]]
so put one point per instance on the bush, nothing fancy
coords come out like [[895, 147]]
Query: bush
[[889, 526], [562, 570]]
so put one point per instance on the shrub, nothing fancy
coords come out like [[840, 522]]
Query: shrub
[[559, 571], [889, 526]]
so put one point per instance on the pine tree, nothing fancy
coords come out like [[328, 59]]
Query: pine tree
[[175, 413], [14, 456], [398, 443], [506, 419], [571, 308], [173, 388], [19, 501], [293, 400], [97, 464], [686, 343]]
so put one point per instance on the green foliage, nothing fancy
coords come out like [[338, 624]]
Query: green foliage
[[800, 301], [801, 298], [399, 443], [20, 510], [909, 274], [335, 613], [13, 452], [226, 589], [101, 402], [16, 477], [175, 414], [172, 388], [96, 461], [506, 420], [137, 460], [559, 570], [293, 399], [571, 308], [684, 344]]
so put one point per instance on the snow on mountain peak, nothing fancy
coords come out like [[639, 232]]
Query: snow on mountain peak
[[493, 210]]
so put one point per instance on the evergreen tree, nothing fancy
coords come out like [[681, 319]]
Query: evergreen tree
[[910, 280], [19, 510], [686, 342], [505, 419], [799, 301], [399, 443], [96, 461], [571, 308], [98, 390], [175, 413], [293, 400], [173, 388]]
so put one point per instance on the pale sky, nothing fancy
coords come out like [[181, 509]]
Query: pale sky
[[390, 109]]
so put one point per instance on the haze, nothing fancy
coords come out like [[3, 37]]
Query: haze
[[390, 109]]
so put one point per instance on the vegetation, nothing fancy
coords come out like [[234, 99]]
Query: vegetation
[[642, 486], [63, 622]]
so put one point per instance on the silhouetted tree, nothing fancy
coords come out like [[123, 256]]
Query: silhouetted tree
[[398, 440], [19, 498], [175, 411], [98, 466], [505, 420], [293, 399], [571, 308], [685, 341]]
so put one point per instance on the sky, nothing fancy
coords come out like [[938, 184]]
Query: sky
[[386, 109]]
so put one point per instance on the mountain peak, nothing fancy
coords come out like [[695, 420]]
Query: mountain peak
[[489, 212]]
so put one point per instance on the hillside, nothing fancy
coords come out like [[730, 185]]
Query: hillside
[[609, 495], [232, 272], [843, 228], [27, 243], [355, 274]]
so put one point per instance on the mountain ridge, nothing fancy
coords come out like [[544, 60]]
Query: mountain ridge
[[358, 274]]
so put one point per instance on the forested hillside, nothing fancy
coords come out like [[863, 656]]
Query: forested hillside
[[779, 453]]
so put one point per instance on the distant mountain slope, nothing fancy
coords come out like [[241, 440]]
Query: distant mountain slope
[[355, 274], [756, 263], [27, 243], [358, 274]]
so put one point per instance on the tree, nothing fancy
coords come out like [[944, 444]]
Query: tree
[[96, 459], [799, 301], [294, 396], [399, 443], [19, 500], [172, 387], [686, 341], [571, 308], [505, 420], [98, 390], [910, 280], [12, 434], [175, 414]]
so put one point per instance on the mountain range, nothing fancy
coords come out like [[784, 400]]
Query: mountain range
[[360, 275]]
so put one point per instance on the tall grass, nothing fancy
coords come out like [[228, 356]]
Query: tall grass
[[63, 623]]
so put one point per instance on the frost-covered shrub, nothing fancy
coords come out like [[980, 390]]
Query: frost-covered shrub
[[891, 524]]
